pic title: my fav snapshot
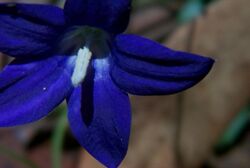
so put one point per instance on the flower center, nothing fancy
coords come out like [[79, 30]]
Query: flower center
[[83, 43]]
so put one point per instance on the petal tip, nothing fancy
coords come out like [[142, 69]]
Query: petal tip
[[207, 64]]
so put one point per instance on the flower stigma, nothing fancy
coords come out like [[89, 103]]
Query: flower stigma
[[82, 61]]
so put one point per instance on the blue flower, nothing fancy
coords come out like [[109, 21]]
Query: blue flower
[[80, 55]]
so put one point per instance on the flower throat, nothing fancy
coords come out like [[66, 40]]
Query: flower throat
[[83, 43]]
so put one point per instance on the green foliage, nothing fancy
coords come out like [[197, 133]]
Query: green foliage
[[234, 130], [19, 158], [190, 10]]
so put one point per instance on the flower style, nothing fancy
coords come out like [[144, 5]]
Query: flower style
[[78, 53]]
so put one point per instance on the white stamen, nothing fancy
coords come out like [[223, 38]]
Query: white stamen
[[82, 61]]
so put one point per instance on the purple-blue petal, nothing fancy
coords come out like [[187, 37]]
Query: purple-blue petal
[[110, 15], [153, 68], [99, 116], [29, 30], [30, 89]]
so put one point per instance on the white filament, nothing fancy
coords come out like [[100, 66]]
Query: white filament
[[81, 65]]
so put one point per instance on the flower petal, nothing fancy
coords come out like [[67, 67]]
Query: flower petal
[[110, 15], [29, 90], [154, 69], [28, 30], [99, 116]]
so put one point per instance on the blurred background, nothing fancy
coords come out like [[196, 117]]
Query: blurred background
[[207, 126]]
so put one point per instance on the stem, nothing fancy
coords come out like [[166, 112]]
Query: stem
[[58, 139]]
